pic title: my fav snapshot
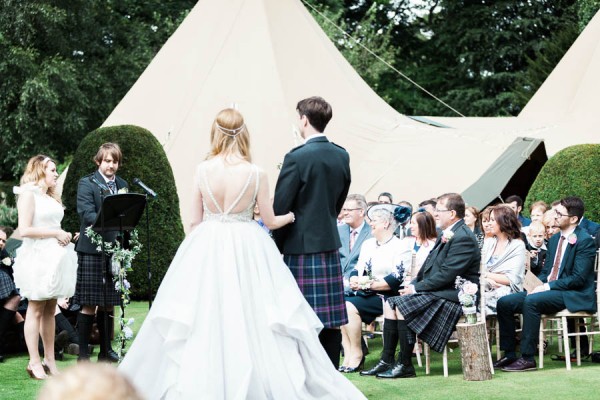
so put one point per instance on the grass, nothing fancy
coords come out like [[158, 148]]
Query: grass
[[554, 381]]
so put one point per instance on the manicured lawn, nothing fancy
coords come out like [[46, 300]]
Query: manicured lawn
[[553, 382]]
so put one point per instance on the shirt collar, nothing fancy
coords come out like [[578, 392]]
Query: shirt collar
[[107, 179], [357, 229]]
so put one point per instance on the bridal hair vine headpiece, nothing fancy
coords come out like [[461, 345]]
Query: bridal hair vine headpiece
[[231, 132]]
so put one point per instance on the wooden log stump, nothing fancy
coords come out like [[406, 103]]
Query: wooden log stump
[[474, 351]]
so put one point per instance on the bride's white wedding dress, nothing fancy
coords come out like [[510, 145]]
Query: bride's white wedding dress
[[229, 321]]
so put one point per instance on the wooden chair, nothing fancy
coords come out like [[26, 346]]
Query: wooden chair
[[564, 315]]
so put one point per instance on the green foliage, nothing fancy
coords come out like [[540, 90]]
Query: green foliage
[[65, 65], [587, 10], [570, 172], [144, 158], [8, 215]]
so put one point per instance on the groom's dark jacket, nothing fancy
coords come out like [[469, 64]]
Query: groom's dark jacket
[[89, 201], [459, 256], [313, 184]]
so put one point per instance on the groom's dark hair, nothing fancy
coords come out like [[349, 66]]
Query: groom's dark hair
[[317, 110]]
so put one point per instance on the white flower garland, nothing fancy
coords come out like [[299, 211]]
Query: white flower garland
[[121, 264]]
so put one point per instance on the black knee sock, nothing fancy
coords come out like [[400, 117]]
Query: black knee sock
[[104, 342], [331, 340], [63, 324], [390, 340], [6, 319], [84, 328], [405, 346]]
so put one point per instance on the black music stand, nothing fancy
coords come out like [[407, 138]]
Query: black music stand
[[119, 213]]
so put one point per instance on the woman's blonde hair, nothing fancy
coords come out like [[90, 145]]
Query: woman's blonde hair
[[229, 135], [35, 172]]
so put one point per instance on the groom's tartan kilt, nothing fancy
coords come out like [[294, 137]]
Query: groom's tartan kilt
[[319, 276]]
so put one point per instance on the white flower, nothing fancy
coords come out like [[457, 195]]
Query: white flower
[[447, 235], [117, 286], [123, 190], [7, 261], [126, 284], [130, 321], [127, 332]]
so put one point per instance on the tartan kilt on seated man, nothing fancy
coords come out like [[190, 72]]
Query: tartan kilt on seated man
[[430, 317]]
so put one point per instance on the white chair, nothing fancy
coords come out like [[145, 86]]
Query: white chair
[[563, 316]]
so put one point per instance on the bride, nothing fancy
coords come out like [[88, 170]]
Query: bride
[[229, 321]]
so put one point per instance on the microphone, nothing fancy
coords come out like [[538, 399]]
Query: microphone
[[99, 184], [141, 184]]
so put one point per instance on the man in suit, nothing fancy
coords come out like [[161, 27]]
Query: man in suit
[[516, 204], [568, 282], [352, 233], [313, 184], [9, 296], [429, 306], [89, 292], [591, 227]]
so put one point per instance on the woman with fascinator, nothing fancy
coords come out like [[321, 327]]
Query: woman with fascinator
[[263, 337], [46, 263], [383, 263]]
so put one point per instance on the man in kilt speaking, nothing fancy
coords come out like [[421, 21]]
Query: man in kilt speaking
[[429, 306], [89, 292], [313, 184]]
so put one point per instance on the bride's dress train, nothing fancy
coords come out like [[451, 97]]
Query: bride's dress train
[[229, 322]]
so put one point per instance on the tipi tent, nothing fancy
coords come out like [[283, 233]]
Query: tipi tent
[[263, 56]]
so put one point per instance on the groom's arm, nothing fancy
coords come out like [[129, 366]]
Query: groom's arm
[[288, 184]]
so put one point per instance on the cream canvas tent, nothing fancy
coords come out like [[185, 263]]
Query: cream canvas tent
[[263, 56]]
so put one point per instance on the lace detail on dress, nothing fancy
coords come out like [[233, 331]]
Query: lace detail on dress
[[245, 215]]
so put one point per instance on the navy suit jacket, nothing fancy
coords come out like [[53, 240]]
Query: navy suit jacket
[[349, 258], [89, 202], [313, 183], [459, 256], [576, 273], [591, 227]]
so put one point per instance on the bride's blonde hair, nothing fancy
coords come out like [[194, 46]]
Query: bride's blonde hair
[[35, 172], [229, 135]]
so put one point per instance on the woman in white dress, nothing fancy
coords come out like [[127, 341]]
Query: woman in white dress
[[46, 263], [229, 321]]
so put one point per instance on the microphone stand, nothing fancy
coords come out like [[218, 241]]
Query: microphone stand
[[148, 259], [104, 279]]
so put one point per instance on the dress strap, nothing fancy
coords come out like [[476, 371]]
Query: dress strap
[[237, 200], [210, 194]]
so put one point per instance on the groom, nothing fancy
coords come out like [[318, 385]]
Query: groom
[[313, 183]]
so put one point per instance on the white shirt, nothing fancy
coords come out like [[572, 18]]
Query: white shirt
[[316, 135]]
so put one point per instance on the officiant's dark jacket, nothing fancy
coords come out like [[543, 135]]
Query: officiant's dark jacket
[[576, 274], [459, 256], [313, 184], [89, 201]]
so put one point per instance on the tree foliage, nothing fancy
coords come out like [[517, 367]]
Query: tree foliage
[[66, 63], [143, 157], [570, 172]]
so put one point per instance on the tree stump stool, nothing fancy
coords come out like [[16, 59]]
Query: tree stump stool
[[474, 351]]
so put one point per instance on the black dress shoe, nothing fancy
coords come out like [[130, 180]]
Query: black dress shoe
[[398, 371], [504, 361], [341, 368], [351, 370], [109, 356], [521, 365], [380, 367]]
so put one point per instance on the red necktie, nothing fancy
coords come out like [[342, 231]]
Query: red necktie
[[352, 239], [557, 259]]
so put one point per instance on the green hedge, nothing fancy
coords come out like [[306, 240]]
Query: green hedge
[[574, 171], [144, 158]]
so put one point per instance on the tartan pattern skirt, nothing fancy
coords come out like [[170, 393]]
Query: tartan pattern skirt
[[432, 318], [319, 277], [7, 286], [90, 290]]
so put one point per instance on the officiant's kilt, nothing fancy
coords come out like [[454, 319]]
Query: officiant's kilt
[[90, 290], [319, 276], [432, 318]]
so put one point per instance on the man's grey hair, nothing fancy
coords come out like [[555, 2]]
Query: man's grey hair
[[360, 200]]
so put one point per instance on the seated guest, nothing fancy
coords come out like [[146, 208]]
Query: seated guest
[[9, 296], [428, 205], [429, 306], [383, 263], [536, 246], [472, 221], [403, 229], [537, 210], [549, 222], [516, 204], [568, 282], [385, 197], [591, 227], [353, 232], [422, 227], [485, 223], [504, 257]]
